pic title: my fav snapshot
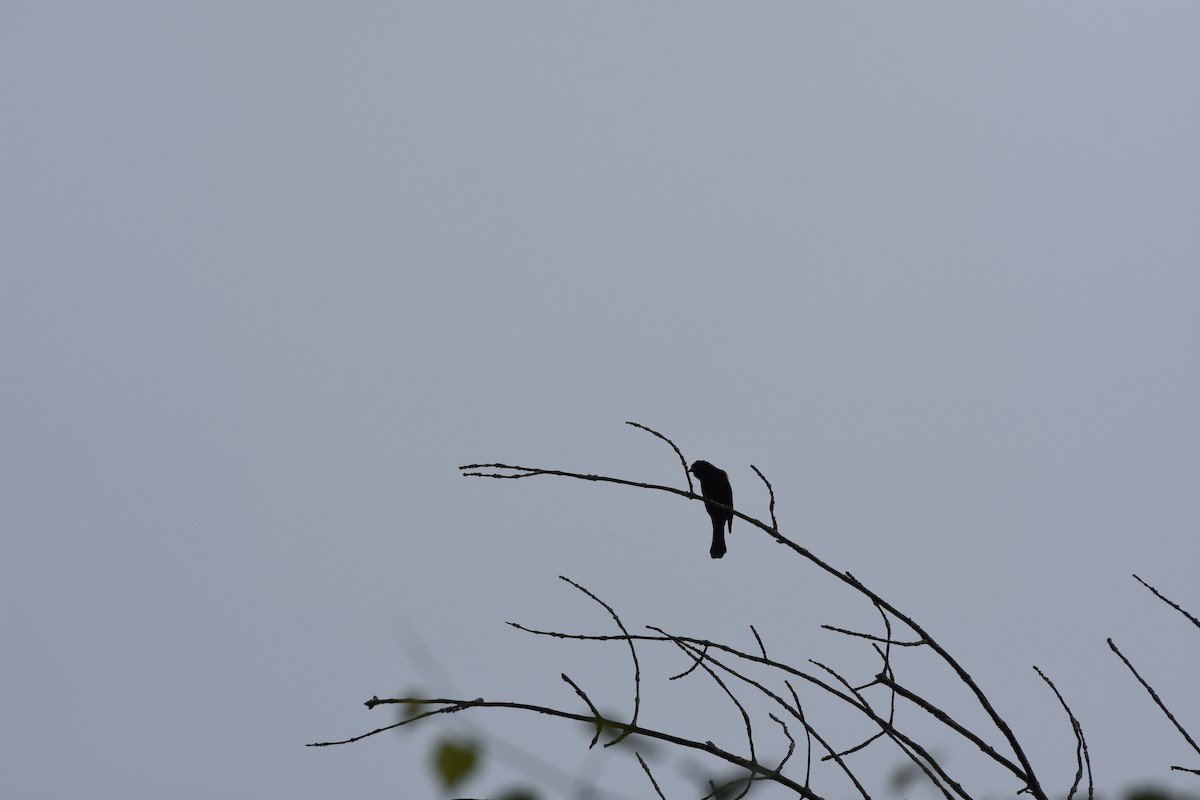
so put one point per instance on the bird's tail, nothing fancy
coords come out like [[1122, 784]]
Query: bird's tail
[[718, 543]]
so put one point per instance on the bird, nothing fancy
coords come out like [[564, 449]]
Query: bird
[[714, 486]]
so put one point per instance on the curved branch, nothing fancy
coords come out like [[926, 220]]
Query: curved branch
[[873, 638], [687, 649], [1081, 751], [637, 670], [682, 460], [771, 491], [813, 734]]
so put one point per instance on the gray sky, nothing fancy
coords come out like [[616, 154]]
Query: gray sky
[[270, 272]]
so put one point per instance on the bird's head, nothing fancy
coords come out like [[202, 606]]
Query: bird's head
[[701, 469]]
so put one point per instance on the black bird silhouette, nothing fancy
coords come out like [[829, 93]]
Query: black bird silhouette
[[714, 485]]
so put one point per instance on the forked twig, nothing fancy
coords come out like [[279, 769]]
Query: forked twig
[[812, 733], [637, 670], [737, 703], [583, 696], [1081, 749]]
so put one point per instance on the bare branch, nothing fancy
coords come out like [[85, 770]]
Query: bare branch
[[679, 453], [696, 662], [795, 710], [808, 734], [586, 699], [791, 742], [650, 775], [950, 722], [873, 638], [812, 733], [695, 644], [698, 643], [886, 655], [637, 670], [686, 648], [701, 652], [762, 649], [771, 490], [1081, 751], [861, 745], [1154, 696], [1171, 603]]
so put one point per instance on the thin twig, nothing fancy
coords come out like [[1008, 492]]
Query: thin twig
[[650, 775], [682, 460], [885, 653], [873, 638], [1154, 696], [791, 742], [813, 734], [741, 708], [861, 745], [637, 670], [588, 700], [697, 661], [1081, 751], [771, 490], [762, 649], [807, 732], [793, 710], [695, 644], [1171, 603]]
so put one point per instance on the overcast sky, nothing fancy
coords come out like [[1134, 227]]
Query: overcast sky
[[269, 272]]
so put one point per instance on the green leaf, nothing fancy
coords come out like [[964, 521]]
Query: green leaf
[[454, 761]]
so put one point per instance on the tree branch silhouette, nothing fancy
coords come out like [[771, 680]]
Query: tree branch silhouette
[[1146, 685], [736, 671], [1024, 772]]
